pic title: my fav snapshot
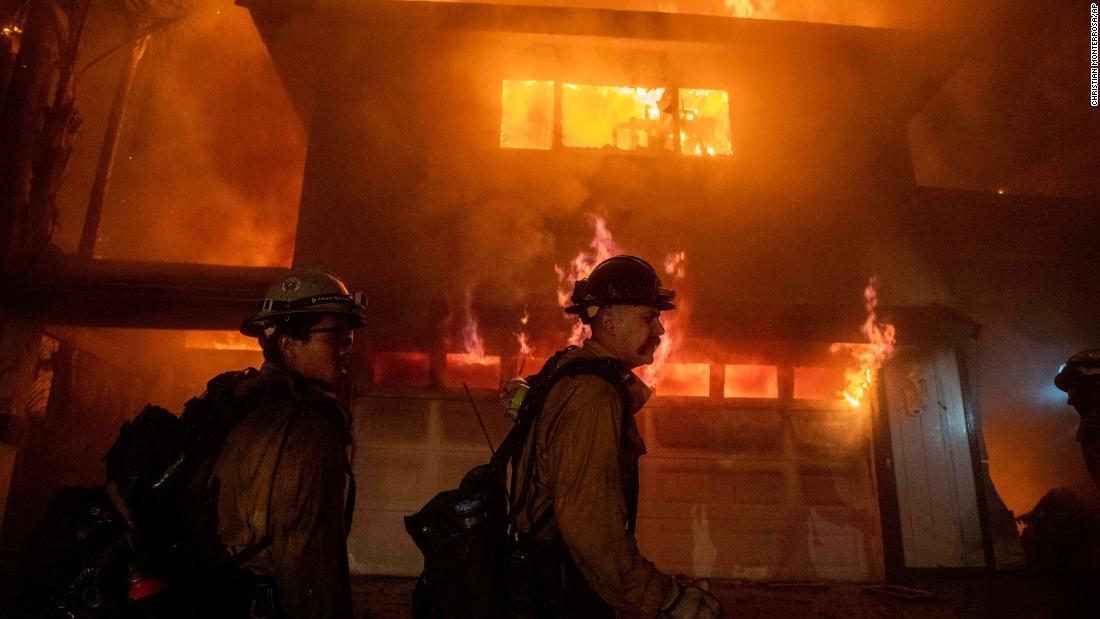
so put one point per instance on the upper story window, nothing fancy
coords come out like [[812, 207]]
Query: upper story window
[[542, 115]]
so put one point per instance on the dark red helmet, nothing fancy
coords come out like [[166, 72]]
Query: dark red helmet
[[622, 280]]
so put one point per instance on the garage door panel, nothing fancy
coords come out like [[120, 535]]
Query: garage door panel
[[392, 422], [835, 434], [724, 431], [395, 479], [714, 548], [703, 486], [821, 488], [379, 544]]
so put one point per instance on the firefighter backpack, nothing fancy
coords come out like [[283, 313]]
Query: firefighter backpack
[[124, 549]]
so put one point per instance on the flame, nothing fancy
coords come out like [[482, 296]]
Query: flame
[[526, 351], [472, 342], [868, 357], [681, 381], [624, 118], [675, 265], [602, 247], [620, 117], [759, 9]]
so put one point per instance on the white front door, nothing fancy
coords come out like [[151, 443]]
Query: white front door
[[932, 461]]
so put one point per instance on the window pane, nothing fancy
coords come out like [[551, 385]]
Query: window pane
[[819, 383], [683, 379], [751, 381], [615, 117], [401, 369], [527, 114], [705, 122]]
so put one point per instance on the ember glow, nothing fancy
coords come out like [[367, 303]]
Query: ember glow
[[869, 357]]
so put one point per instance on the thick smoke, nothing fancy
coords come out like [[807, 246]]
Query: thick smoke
[[210, 159]]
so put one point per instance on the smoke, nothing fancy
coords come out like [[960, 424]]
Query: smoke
[[1030, 431], [210, 160]]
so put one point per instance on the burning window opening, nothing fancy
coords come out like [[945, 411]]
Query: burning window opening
[[751, 381], [704, 122], [615, 118], [478, 372], [527, 114], [684, 380], [819, 383], [401, 369], [219, 340]]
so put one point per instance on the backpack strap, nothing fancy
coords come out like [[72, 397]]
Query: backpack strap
[[512, 445], [607, 369]]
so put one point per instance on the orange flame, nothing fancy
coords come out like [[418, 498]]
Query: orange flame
[[759, 9], [602, 247], [526, 351], [472, 342], [675, 266], [681, 379], [868, 357]]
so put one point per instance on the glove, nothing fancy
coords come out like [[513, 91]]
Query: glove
[[689, 602]]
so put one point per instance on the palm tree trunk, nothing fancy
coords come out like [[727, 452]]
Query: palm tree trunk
[[109, 148], [55, 142], [52, 27]]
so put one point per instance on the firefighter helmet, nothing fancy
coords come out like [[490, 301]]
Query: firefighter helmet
[[306, 291], [1080, 376], [621, 280]]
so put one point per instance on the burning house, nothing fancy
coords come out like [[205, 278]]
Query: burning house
[[460, 152], [814, 416]]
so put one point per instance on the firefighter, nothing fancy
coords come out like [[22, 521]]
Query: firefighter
[[1079, 377], [281, 487], [581, 493]]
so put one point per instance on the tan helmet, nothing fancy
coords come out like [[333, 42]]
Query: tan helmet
[[306, 291]]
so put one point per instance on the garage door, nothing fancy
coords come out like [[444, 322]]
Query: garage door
[[755, 477]]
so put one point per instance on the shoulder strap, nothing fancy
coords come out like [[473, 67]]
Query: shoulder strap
[[207, 419], [540, 382], [531, 413]]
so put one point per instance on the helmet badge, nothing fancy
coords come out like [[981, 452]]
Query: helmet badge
[[291, 284]]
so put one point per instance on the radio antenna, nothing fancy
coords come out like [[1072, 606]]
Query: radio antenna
[[492, 451]]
